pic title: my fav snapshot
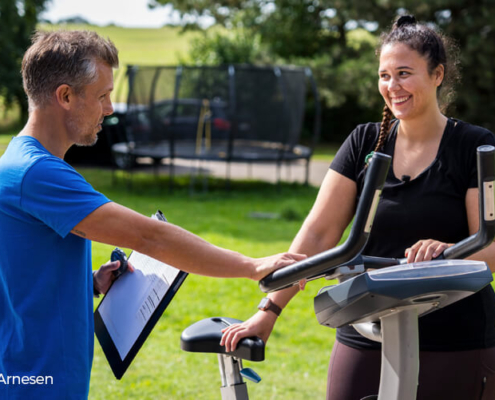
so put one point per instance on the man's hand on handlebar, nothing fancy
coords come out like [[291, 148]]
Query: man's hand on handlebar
[[266, 265], [260, 324], [425, 250]]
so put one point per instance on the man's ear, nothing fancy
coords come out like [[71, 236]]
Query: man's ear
[[64, 95]]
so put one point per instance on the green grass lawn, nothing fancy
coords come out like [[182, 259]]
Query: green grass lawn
[[142, 46], [298, 352]]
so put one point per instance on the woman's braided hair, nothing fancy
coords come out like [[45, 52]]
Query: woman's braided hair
[[433, 47], [384, 127]]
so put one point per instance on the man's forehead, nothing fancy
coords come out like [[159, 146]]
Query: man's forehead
[[105, 78]]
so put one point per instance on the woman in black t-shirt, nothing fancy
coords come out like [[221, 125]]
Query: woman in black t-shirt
[[429, 202]]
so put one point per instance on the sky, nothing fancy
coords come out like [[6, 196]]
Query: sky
[[126, 13]]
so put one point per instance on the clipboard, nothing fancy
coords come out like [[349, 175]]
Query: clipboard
[[133, 305]]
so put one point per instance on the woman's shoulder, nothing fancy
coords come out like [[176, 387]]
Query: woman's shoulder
[[367, 132], [462, 142], [471, 132]]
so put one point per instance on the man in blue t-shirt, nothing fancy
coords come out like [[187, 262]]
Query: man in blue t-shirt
[[49, 214]]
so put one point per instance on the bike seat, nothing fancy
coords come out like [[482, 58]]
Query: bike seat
[[204, 337]]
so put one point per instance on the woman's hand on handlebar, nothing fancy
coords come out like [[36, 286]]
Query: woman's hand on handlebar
[[260, 324], [425, 250], [266, 265]]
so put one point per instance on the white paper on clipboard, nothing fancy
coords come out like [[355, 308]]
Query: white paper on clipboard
[[133, 298]]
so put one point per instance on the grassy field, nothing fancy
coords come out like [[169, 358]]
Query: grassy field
[[298, 352], [143, 46]]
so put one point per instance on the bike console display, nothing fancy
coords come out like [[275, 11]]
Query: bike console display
[[427, 286]]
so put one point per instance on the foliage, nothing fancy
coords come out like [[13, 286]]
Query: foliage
[[320, 33], [346, 81], [18, 21], [230, 47], [4, 141]]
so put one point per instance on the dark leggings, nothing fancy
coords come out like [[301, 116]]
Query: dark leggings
[[462, 375]]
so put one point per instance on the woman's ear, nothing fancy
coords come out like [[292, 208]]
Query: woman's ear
[[439, 74]]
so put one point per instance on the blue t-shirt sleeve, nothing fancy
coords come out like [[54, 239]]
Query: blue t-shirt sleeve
[[56, 194]]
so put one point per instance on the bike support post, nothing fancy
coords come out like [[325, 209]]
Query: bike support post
[[233, 386], [400, 355]]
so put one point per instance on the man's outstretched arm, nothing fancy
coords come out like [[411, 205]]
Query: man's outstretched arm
[[120, 226]]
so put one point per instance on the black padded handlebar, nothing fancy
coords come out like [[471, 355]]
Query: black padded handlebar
[[319, 264], [474, 243], [349, 252], [486, 231]]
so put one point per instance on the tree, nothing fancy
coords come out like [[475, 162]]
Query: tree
[[318, 33], [18, 22]]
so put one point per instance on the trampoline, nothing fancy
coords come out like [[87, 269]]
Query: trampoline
[[232, 113]]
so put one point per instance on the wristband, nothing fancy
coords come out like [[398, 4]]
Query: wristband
[[267, 304]]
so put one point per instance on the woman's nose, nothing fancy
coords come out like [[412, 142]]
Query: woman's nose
[[393, 85]]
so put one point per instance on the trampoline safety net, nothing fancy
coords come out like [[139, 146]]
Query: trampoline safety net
[[230, 113]]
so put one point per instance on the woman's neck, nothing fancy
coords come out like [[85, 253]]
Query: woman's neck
[[424, 129]]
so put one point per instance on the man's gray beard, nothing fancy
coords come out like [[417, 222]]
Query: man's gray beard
[[87, 144], [73, 123]]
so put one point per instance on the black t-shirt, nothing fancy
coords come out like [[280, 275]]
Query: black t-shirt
[[430, 206]]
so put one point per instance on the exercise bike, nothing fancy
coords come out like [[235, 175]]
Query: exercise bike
[[383, 305]]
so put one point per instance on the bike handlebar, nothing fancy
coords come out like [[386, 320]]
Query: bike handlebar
[[486, 231], [316, 266], [349, 252]]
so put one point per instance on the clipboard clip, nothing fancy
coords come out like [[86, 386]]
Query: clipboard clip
[[119, 255]]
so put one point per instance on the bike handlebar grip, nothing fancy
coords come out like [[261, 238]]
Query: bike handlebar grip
[[319, 264], [486, 185]]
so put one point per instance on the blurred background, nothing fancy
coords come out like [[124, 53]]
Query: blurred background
[[335, 38]]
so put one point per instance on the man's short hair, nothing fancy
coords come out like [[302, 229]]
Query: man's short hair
[[63, 57]]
